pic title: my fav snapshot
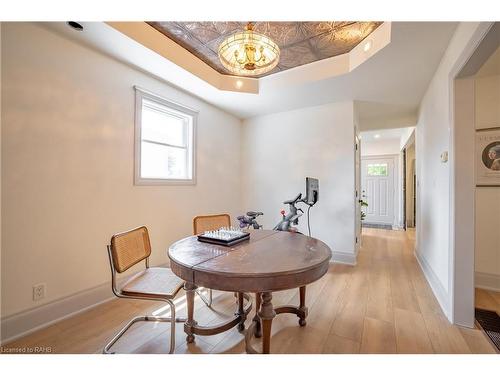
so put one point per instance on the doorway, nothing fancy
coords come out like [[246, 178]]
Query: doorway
[[382, 155], [409, 188], [377, 181], [465, 192]]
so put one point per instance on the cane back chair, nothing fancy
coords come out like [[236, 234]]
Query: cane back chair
[[207, 223], [153, 283]]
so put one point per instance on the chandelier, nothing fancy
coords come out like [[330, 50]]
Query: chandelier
[[248, 53]]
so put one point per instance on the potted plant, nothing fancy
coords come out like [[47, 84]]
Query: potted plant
[[363, 204]]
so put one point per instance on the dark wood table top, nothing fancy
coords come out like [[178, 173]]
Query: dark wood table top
[[269, 261]]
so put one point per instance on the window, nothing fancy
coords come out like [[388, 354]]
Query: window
[[164, 141], [377, 169]]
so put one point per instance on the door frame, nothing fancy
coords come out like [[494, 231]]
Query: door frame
[[357, 187], [395, 162], [403, 193], [458, 303]]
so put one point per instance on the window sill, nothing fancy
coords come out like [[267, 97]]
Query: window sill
[[158, 181]]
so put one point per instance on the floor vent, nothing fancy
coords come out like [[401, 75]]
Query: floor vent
[[378, 226], [490, 323]]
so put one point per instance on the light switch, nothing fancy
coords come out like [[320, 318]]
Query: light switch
[[444, 157]]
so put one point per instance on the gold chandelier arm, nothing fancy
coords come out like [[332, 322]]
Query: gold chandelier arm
[[239, 61]]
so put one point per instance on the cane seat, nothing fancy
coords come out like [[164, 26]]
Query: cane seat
[[153, 282]]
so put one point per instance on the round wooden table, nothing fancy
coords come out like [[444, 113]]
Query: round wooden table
[[269, 261]]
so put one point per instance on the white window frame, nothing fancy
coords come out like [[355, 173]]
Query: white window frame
[[140, 95]]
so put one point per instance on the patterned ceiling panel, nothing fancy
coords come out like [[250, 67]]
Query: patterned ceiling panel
[[300, 42]]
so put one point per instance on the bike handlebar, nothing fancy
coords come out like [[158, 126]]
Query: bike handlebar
[[295, 200]]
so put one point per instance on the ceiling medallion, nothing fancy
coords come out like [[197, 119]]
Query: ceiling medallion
[[248, 53]]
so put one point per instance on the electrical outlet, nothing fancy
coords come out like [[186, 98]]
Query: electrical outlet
[[39, 291]]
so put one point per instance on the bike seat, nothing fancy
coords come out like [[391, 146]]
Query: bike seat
[[254, 214], [294, 199]]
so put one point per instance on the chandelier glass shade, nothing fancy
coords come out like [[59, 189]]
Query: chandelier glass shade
[[247, 53]]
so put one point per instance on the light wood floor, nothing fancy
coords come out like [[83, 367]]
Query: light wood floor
[[382, 305], [488, 300]]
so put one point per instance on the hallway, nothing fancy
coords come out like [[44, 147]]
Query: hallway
[[382, 305]]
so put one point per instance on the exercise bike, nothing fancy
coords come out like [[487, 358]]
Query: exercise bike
[[250, 220], [288, 221]]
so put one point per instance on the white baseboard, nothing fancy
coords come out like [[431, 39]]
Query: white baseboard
[[488, 281], [436, 286], [26, 322], [344, 258]]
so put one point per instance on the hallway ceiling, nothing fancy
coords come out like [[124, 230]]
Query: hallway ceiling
[[383, 135], [300, 42]]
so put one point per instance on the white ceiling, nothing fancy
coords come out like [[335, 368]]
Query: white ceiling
[[390, 84], [387, 88], [383, 135]]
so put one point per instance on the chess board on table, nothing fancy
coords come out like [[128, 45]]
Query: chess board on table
[[224, 236]]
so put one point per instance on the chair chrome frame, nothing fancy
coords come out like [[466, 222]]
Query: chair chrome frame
[[148, 318]]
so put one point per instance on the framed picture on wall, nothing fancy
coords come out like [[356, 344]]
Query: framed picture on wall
[[488, 157]]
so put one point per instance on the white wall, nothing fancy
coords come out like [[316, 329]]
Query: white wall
[[0, 179], [433, 219], [68, 166], [487, 209], [407, 137], [487, 239], [380, 147], [434, 216], [487, 93], [281, 149]]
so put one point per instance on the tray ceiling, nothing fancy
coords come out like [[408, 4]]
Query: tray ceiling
[[300, 42]]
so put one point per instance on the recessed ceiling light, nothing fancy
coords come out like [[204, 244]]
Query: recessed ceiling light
[[75, 25], [367, 46], [376, 136], [239, 83]]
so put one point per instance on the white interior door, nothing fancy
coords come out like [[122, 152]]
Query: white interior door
[[377, 181]]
